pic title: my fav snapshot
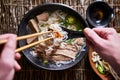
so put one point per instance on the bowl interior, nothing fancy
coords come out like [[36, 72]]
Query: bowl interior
[[23, 29]]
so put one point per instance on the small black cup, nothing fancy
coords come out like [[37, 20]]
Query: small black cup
[[98, 14]]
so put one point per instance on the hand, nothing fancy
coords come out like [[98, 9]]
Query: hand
[[106, 42], [8, 63]]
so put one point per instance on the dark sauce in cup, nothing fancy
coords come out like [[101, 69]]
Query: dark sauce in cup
[[98, 15]]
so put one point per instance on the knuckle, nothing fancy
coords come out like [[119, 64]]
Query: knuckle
[[112, 30], [12, 35]]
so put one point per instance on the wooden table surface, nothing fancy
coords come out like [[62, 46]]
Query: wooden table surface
[[11, 13]]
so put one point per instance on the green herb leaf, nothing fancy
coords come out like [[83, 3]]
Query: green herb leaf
[[100, 69]]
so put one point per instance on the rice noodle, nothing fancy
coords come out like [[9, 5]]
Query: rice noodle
[[47, 50]]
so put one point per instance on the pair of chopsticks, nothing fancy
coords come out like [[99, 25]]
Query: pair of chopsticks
[[30, 36]]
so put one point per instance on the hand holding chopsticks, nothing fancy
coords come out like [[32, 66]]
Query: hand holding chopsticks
[[29, 36], [8, 58]]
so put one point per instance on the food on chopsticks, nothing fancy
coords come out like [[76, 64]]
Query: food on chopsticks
[[103, 67], [58, 49]]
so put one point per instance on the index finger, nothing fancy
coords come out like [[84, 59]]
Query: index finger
[[93, 37], [105, 30], [4, 36]]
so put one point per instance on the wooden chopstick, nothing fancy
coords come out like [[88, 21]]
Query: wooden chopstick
[[33, 44], [26, 36]]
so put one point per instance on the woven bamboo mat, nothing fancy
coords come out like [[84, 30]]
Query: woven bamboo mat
[[11, 13]]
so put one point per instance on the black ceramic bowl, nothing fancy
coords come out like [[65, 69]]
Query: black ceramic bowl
[[23, 30], [99, 14]]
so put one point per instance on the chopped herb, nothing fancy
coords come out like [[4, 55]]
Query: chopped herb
[[70, 41], [100, 69], [42, 25], [45, 61], [63, 23], [70, 19], [78, 25]]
